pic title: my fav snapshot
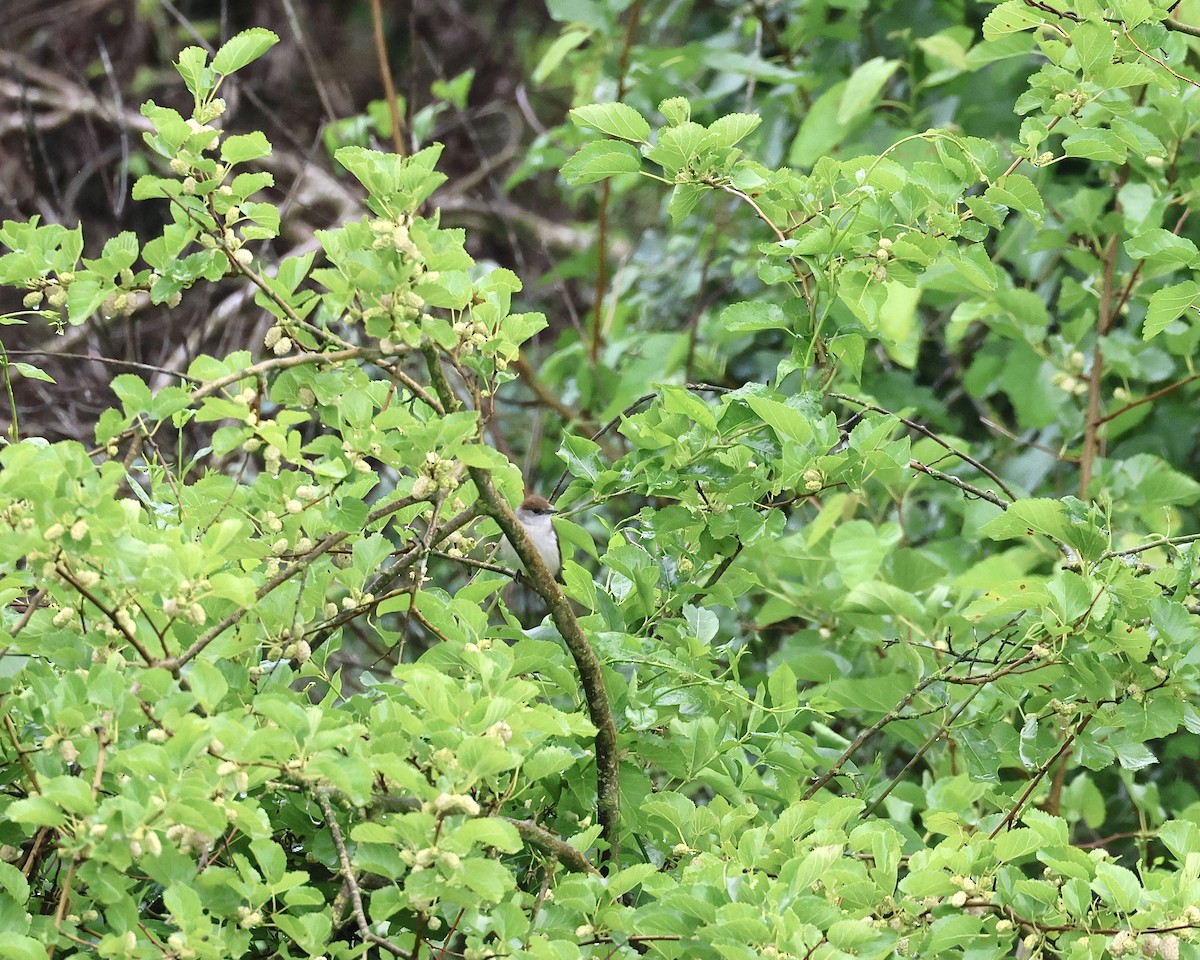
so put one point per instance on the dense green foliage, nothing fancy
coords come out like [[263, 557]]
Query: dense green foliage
[[880, 634]]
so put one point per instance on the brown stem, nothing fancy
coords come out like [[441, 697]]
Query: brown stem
[[925, 431], [961, 484], [1149, 398], [597, 339], [542, 839], [109, 614], [1037, 778], [303, 562], [385, 74], [360, 915], [1091, 429], [591, 670]]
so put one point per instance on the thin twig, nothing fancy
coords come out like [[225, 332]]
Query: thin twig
[[306, 560], [542, 839], [962, 485], [385, 75], [1091, 428], [360, 915], [925, 431], [31, 606], [63, 571], [1037, 778]]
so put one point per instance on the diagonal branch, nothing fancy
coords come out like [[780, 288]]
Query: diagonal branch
[[591, 671]]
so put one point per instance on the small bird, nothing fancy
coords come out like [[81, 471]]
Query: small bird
[[534, 515]]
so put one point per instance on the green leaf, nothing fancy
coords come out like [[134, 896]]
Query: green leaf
[[574, 36], [684, 198], [858, 549], [622, 882], [1018, 193], [454, 91], [728, 130], [1026, 516], [781, 688], [680, 400], [1168, 305], [613, 120], [863, 87], [1117, 886], [1012, 16], [488, 878], [675, 110], [599, 160], [37, 811], [489, 832], [1095, 145], [70, 793], [193, 67], [17, 946], [1094, 46], [787, 422], [84, 298], [678, 145], [1162, 245], [29, 371], [132, 391], [244, 48], [751, 315], [242, 147], [950, 934]]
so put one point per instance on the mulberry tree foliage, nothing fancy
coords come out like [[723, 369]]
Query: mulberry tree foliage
[[876, 634]]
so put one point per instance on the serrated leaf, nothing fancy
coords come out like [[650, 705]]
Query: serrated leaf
[[601, 160], [1018, 193], [957, 930], [1117, 886], [1134, 756], [84, 297], [625, 880], [1168, 305], [193, 67], [787, 422], [244, 48], [1095, 145], [1163, 245], [728, 130], [17, 946], [614, 120], [1093, 43], [754, 315], [1012, 16], [675, 110], [676, 399], [684, 198], [245, 146], [1036, 515]]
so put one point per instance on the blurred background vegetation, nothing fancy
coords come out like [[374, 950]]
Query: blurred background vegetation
[[630, 299]]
